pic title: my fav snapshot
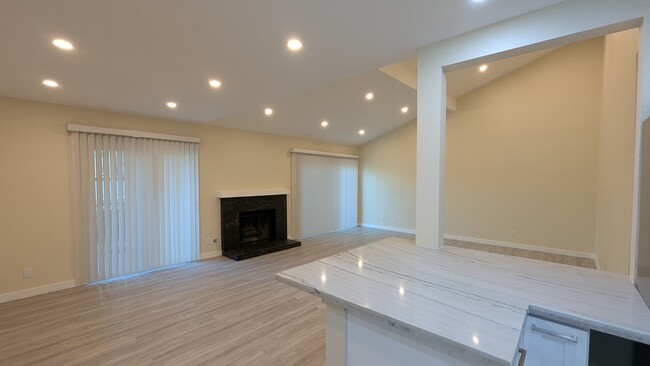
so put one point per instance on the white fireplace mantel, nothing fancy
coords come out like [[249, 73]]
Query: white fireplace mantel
[[267, 192]]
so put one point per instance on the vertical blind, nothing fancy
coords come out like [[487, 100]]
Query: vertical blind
[[136, 205], [324, 193]]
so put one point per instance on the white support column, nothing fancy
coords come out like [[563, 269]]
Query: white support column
[[335, 335], [431, 123], [641, 210]]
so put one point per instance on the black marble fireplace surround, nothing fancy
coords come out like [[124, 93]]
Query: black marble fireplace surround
[[256, 235]]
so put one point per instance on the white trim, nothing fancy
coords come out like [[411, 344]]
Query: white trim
[[597, 263], [131, 133], [522, 246], [209, 255], [22, 294], [496, 243], [268, 192], [323, 153], [389, 228]]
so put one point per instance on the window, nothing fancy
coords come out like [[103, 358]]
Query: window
[[136, 204], [325, 191]]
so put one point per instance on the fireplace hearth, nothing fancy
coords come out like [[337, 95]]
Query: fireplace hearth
[[254, 225]]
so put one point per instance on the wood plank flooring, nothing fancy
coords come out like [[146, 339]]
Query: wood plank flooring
[[214, 312]]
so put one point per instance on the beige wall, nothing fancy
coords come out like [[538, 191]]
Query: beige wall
[[387, 179], [521, 153], [35, 214], [521, 156], [616, 152]]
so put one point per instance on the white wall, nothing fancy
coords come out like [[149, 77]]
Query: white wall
[[616, 152], [35, 213]]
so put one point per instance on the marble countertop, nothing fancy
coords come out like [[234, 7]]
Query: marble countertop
[[473, 300]]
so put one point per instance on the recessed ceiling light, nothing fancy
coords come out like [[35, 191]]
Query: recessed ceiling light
[[50, 83], [482, 68], [405, 109], [369, 96], [215, 83], [324, 123], [172, 105], [294, 44], [362, 132], [63, 44], [268, 111]]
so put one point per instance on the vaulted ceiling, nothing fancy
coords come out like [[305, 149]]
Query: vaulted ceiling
[[134, 56]]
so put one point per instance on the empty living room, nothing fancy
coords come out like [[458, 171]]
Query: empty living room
[[303, 182]]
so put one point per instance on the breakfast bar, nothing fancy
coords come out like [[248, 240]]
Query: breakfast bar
[[391, 302]]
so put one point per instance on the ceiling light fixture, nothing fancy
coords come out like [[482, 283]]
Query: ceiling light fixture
[[268, 111], [50, 83], [172, 105], [405, 109], [215, 83], [369, 96], [482, 68], [63, 44], [362, 132], [324, 123], [294, 44]]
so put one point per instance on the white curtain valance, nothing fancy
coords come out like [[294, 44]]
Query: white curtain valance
[[323, 153], [131, 133]]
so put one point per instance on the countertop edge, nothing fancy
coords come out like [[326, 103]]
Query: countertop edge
[[393, 323]]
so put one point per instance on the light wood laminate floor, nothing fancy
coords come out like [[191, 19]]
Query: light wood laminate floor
[[213, 312]]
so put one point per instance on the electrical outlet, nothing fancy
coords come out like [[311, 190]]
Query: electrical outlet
[[513, 234], [394, 219], [27, 272], [382, 219]]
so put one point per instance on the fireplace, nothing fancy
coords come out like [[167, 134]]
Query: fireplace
[[254, 225]]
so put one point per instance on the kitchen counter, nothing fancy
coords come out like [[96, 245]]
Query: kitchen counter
[[471, 300]]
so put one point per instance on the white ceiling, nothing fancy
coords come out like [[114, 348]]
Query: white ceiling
[[342, 105], [133, 56]]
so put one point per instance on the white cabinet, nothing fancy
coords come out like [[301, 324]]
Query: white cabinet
[[547, 343]]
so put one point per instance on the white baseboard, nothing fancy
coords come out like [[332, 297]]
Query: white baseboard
[[389, 228], [17, 295], [208, 255], [523, 246], [497, 243]]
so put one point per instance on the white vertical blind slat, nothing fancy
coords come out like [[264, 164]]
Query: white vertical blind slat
[[131, 209], [91, 183], [114, 202]]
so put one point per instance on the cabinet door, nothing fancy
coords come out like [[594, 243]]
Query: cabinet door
[[552, 344]]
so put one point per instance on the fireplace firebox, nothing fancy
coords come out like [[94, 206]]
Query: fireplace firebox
[[252, 226]]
